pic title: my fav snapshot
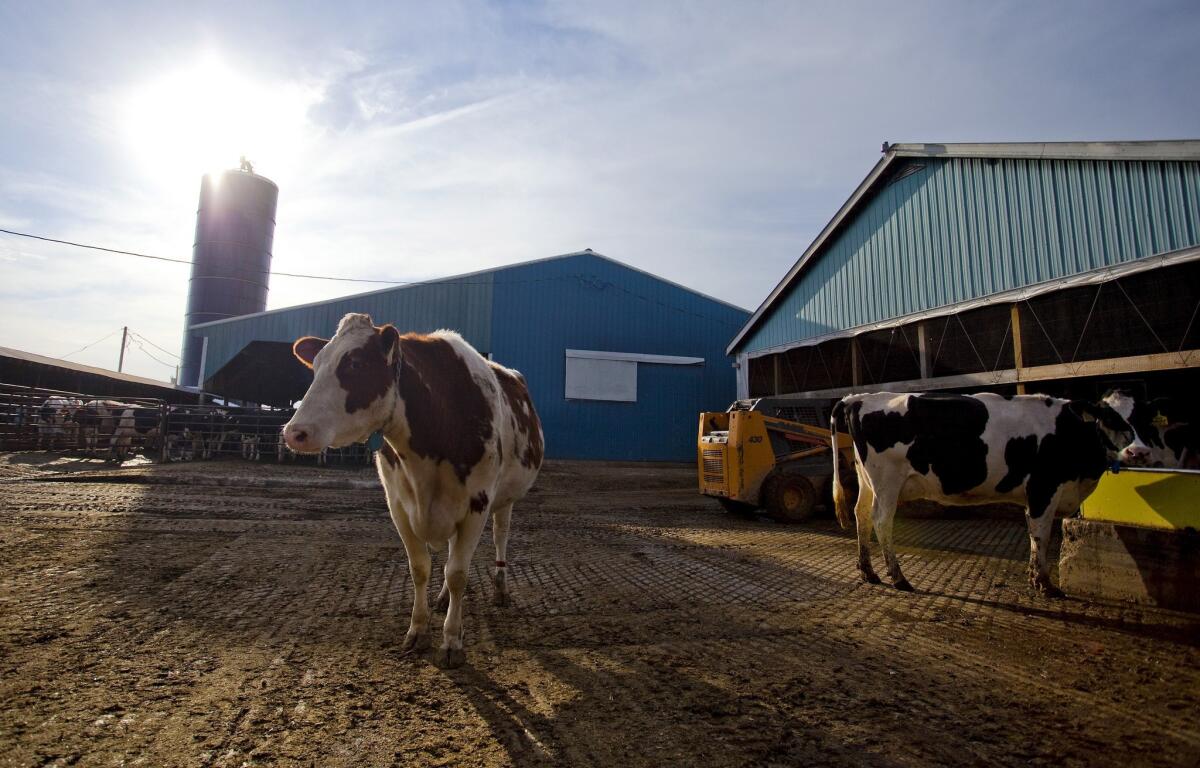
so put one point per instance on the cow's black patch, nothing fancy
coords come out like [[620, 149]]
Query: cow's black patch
[[854, 422], [145, 420], [1075, 450], [944, 434], [1020, 456], [479, 502], [1182, 439], [1151, 420]]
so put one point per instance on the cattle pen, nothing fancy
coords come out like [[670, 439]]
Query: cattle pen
[[224, 613]]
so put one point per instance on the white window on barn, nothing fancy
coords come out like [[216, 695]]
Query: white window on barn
[[612, 376]]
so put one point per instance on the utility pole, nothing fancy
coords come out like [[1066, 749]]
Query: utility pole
[[124, 337]]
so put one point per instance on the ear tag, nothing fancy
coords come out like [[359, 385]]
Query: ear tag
[[1159, 421], [375, 441]]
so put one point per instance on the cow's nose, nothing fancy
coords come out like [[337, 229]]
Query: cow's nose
[[297, 436], [1135, 454]]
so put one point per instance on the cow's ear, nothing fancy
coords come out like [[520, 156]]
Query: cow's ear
[[389, 340], [307, 348]]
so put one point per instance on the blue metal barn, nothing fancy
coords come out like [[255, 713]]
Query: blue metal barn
[[619, 362], [940, 235]]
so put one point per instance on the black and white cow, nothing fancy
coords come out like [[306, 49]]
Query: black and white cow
[[134, 427], [1169, 428], [257, 429], [55, 423], [96, 420], [185, 436], [461, 440], [1043, 453]]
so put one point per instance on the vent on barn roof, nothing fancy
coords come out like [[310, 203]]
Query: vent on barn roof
[[905, 172]]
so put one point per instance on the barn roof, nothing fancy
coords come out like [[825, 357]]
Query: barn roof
[[881, 174], [30, 369], [464, 276]]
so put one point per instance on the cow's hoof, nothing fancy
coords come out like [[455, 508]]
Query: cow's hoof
[[414, 643], [868, 577], [1049, 590], [443, 602], [451, 658], [902, 585]]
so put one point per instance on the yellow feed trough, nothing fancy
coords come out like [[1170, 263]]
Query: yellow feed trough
[[1156, 498]]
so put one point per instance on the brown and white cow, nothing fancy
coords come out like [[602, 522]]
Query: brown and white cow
[[461, 439], [1043, 453]]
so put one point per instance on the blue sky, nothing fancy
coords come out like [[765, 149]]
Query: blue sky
[[707, 142]]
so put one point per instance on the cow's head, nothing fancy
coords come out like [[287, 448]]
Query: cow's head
[[354, 385], [1137, 453], [1121, 441]]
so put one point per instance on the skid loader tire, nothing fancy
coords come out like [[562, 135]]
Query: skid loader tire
[[791, 498]]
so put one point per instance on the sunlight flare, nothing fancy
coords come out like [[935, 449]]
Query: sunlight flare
[[203, 117]]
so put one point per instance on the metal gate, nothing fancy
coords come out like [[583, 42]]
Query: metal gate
[[38, 419]]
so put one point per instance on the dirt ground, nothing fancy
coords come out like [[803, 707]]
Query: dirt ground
[[227, 614]]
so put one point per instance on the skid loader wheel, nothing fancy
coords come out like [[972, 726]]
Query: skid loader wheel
[[739, 508], [791, 498]]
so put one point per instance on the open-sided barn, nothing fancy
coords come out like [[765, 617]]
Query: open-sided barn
[[619, 362], [1064, 267]]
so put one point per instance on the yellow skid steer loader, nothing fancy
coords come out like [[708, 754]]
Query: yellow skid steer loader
[[769, 453]]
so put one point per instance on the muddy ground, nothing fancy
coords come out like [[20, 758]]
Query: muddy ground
[[225, 614]]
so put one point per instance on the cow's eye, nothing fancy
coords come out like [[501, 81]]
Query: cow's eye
[[355, 364]]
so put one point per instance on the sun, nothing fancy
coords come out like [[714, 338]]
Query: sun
[[205, 116]]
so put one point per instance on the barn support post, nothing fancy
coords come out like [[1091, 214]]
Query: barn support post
[[742, 366], [1018, 356], [923, 349], [162, 432], [855, 370], [778, 387]]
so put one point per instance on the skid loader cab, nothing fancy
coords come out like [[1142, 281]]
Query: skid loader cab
[[768, 453]]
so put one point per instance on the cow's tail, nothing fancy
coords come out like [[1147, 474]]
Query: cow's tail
[[844, 482]]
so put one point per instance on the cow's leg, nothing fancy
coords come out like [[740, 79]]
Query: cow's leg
[[462, 546], [501, 517], [500, 536], [863, 524], [1040, 529], [419, 567], [884, 514]]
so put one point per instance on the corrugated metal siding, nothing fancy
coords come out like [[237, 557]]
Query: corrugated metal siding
[[527, 316], [464, 305], [585, 302], [963, 228]]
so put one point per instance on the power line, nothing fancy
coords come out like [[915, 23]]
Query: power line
[[185, 261], [152, 357], [89, 346], [151, 343], [590, 281]]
